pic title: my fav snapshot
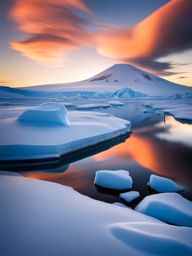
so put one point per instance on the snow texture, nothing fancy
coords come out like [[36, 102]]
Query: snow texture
[[118, 180], [161, 184], [169, 207], [129, 196]]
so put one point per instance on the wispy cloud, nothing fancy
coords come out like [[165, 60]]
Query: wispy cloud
[[53, 27], [167, 30]]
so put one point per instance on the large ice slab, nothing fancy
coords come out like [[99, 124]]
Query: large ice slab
[[50, 113], [161, 184], [26, 140], [154, 238], [168, 207], [119, 179]]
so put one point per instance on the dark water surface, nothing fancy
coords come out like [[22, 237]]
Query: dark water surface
[[164, 148]]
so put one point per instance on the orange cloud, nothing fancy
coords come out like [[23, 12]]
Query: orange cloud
[[165, 31], [53, 28]]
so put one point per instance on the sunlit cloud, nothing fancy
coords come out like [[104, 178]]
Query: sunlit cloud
[[165, 31], [53, 28]]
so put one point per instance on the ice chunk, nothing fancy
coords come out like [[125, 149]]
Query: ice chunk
[[92, 106], [161, 184], [154, 238], [168, 207], [119, 179], [129, 196], [116, 103], [51, 113]]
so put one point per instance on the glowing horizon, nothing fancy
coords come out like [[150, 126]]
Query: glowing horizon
[[71, 40]]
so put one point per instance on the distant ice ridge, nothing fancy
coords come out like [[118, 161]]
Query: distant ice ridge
[[168, 207], [161, 184], [119, 179], [48, 131], [128, 93]]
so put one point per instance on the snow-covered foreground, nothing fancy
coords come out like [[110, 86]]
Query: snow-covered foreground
[[46, 132], [43, 218]]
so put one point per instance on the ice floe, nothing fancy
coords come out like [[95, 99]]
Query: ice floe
[[161, 184], [118, 180], [129, 196], [24, 139], [168, 207]]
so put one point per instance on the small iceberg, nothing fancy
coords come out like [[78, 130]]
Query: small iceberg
[[168, 207], [161, 184], [47, 113], [118, 180], [129, 196]]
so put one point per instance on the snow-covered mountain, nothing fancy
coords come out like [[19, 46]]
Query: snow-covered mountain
[[119, 79], [121, 76]]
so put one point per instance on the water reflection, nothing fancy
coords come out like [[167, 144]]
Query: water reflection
[[145, 152], [177, 132]]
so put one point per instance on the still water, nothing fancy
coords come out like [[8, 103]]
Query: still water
[[163, 148]]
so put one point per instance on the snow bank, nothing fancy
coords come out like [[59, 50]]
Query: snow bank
[[161, 184], [154, 238], [48, 219], [23, 140], [168, 207], [47, 113], [118, 180], [129, 196], [45, 218]]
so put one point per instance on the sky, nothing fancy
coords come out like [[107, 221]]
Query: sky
[[61, 41]]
